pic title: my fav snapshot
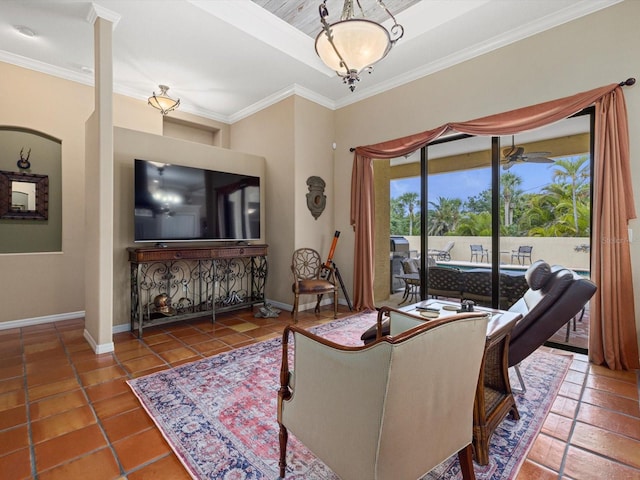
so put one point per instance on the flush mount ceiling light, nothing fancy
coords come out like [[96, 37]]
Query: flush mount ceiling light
[[163, 101], [353, 45], [24, 30]]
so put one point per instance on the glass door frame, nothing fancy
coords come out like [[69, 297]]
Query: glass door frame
[[495, 206]]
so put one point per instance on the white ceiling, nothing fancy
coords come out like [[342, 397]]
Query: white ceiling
[[226, 59]]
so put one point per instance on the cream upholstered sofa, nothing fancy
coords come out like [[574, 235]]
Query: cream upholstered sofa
[[393, 409]]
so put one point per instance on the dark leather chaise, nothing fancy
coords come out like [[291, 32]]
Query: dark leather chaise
[[555, 296]]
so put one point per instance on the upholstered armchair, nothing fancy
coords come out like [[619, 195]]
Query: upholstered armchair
[[370, 412], [312, 277]]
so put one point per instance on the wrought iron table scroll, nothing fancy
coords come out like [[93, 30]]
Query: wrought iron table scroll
[[178, 283]]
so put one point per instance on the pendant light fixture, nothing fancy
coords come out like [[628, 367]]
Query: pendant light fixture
[[163, 101], [353, 45]]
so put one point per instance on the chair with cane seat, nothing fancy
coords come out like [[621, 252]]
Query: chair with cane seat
[[312, 277]]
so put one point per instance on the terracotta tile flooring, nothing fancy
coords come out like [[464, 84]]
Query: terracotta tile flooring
[[66, 413]]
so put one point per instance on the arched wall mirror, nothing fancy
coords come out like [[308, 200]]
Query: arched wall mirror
[[24, 196]]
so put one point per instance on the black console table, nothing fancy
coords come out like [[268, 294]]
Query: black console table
[[177, 283]]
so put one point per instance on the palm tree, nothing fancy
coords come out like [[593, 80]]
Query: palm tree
[[474, 225], [577, 172], [552, 214], [410, 200], [444, 216], [509, 182]]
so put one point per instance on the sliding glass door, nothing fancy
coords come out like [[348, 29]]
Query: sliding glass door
[[489, 207]]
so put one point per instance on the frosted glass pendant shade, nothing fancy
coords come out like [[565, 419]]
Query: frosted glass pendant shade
[[361, 43], [162, 101]]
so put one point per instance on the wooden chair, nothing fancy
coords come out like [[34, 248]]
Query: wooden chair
[[372, 411], [312, 277]]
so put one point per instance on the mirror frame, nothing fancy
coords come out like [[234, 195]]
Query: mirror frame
[[42, 196]]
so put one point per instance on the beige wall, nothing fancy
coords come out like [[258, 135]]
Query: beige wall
[[296, 137], [45, 284], [596, 50], [313, 156], [131, 144], [190, 127], [270, 133]]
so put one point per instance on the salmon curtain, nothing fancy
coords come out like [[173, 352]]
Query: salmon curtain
[[612, 338], [613, 207]]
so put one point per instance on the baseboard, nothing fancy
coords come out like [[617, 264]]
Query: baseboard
[[27, 322], [287, 307], [123, 327], [98, 348]]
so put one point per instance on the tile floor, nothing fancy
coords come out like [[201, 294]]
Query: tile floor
[[66, 413]]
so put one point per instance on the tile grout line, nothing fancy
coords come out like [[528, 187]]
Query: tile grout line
[[93, 410], [27, 408], [574, 421]]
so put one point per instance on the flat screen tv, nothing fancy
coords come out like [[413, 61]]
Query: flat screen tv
[[175, 203]]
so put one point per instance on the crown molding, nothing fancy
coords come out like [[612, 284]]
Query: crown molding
[[96, 11], [293, 89], [46, 68]]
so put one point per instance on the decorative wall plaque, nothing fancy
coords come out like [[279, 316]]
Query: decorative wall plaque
[[316, 199]]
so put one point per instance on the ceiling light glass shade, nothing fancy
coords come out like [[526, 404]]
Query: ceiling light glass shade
[[163, 101], [353, 45], [361, 43]]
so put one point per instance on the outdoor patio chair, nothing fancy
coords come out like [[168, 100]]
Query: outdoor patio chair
[[521, 254], [479, 251], [411, 278], [444, 254], [308, 269], [395, 392]]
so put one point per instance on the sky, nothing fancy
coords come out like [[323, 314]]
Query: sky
[[469, 183]]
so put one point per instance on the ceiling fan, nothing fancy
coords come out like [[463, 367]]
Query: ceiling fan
[[512, 155]]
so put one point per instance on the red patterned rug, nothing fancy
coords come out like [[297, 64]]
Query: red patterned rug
[[219, 414]]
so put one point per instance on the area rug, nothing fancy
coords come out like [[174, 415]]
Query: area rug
[[219, 414]]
